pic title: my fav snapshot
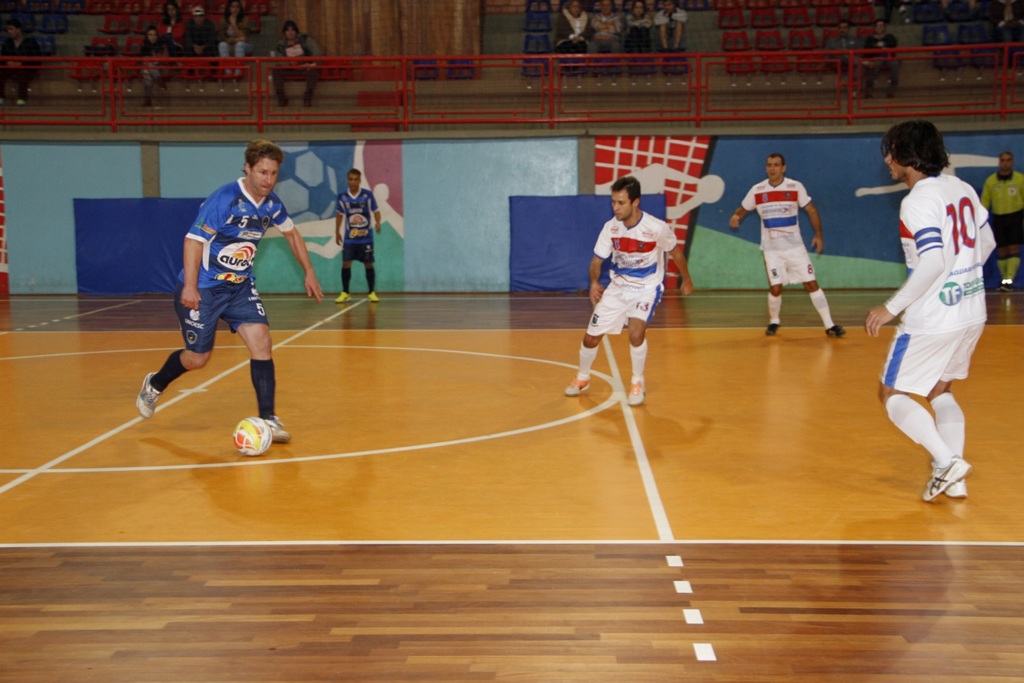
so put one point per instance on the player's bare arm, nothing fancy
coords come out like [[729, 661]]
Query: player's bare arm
[[298, 246], [376, 218], [684, 271], [193, 258], [736, 217], [817, 242], [338, 218], [596, 290]]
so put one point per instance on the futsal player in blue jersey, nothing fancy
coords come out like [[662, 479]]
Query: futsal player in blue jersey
[[356, 206], [216, 281]]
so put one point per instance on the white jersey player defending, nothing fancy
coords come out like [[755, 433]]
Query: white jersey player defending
[[778, 201], [947, 239], [637, 243]]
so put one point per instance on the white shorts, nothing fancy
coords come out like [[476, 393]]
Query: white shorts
[[917, 362], [618, 304], [788, 266]]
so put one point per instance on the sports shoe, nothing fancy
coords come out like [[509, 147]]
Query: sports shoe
[[342, 298], [942, 479], [836, 331], [372, 296], [771, 329], [146, 402], [277, 429], [636, 394], [20, 103], [1006, 286], [959, 489], [577, 386]]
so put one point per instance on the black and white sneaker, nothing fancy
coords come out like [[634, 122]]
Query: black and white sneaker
[[942, 479], [771, 329], [278, 430], [836, 331], [148, 396]]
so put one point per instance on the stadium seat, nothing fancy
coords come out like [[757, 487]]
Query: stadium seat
[[977, 33], [115, 24], [47, 45], [425, 70], [142, 21], [132, 46], [939, 35], [796, 17], [71, 6], [697, 5], [676, 66], [537, 22], [861, 15], [102, 46], [460, 69], [805, 41], [827, 16], [536, 43], [927, 12], [737, 64], [959, 11], [763, 17], [641, 66], [53, 23], [538, 6], [28, 22], [770, 40], [731, 18]]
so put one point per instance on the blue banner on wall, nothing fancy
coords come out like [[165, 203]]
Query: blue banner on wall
[[130, 246], [553, 239]]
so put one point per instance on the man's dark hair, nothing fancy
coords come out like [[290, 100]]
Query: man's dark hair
[[290, 24], [776, 155], [916, 144], [16, 23], [630, 184]]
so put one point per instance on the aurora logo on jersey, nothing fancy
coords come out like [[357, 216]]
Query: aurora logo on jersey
[[237, 256]]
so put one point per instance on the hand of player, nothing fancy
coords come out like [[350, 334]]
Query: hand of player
[[190, 298], [596, 291], [313, 288], [876, 318], [818, 243], [687, 286], [734, 222]]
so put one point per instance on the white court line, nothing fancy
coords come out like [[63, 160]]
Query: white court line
[[31, 474], [69, 317], [650, 485]]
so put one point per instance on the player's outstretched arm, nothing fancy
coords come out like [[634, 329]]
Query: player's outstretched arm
[[298, 246], [736, 217]]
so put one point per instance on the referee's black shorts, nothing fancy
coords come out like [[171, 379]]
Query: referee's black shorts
[[1008, 228]]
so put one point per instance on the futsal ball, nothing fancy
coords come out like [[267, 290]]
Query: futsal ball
[[253, 436]]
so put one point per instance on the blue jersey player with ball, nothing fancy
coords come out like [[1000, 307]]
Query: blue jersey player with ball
[[216, 281]]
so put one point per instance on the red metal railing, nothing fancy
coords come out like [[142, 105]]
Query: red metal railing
[[523, 91]]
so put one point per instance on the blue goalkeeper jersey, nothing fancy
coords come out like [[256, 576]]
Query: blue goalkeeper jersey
[[358, 214], [230, 225]]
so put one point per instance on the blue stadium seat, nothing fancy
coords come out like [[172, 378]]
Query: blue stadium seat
[[54, 23], [47, 45], [927, 12], [536, 43], [939, 35], [537, 22]]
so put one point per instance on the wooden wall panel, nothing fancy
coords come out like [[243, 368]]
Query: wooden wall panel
[[374, 28]]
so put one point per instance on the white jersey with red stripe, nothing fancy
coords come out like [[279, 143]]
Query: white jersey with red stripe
[[943, 212], [779, 208], [637, 252]]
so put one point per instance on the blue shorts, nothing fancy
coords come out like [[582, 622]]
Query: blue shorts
[[235, 304], [358, 252]]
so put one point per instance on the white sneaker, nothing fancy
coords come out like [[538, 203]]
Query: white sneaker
[[637, 392], [278, 430], [146, 402], [577, 386], [942, 479], [959, 489]]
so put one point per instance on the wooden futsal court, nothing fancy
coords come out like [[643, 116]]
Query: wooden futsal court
[[444, 513]]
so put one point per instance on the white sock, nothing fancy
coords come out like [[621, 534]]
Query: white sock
[[587, 357], [638, 354], [916, 422], [821, 303], [774, 308], [950, 421]]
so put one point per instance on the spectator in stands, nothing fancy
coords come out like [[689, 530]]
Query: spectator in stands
[[879, 40], [607, 28], [844, 40], [638, 28], [234, 32], [153, 72], [200, 35], [296, 45], [1007, 17], [20, 71], [572, 28], [671, 24], [172, 28]]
